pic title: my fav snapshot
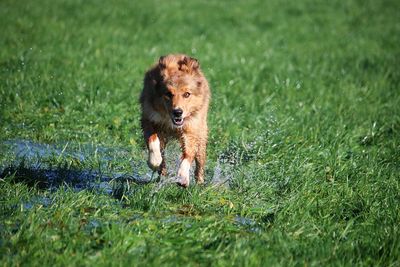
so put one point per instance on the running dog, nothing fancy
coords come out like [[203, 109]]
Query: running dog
[[174, 104]]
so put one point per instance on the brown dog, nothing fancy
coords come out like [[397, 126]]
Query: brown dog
[[174, 104]]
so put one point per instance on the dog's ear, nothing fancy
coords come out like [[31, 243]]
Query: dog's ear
[[192, 63], [161, 62], [189, 64]]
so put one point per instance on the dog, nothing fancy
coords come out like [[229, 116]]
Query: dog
[[174, 104]]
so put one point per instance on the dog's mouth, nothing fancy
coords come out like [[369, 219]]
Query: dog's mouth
[[177, 121]]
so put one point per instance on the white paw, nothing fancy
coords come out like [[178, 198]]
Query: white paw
[[154, 160], [183, 173], [155, 157]]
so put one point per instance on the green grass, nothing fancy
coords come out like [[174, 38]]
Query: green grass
[[306, 108]]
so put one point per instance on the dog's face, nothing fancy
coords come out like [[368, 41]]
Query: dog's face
[[180, 87]]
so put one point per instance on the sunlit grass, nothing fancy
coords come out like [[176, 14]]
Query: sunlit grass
[[305, 119]]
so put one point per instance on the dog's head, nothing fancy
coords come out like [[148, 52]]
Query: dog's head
[[180, 87]]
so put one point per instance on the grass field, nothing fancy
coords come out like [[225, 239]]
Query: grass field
[[304, 121]]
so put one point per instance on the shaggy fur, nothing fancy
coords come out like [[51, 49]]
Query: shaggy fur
[[174, 104]]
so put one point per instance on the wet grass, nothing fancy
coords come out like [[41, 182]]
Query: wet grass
[[305, 120]]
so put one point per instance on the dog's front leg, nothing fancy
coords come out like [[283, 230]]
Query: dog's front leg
[[200, 159], [188, 145], [184, 171], [155, 158], [155, 142]]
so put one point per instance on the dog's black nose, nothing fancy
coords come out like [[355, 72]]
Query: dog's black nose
[[177, 112]]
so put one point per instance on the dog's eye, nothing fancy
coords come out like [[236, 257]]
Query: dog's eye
[[186, 95], [168, 94]]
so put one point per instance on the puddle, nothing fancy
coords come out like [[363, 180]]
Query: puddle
[[247, 223], [239, 222], [44, 166], [37, 200], [33, 164], [91, 225], [30, 150], [223, 174], [77, 179], [37, 154]]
